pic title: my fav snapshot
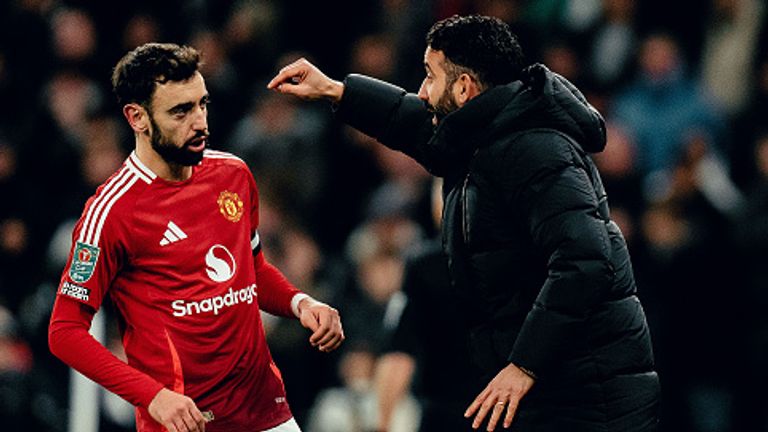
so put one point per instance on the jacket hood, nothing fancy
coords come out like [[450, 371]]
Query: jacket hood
[[540, 99]]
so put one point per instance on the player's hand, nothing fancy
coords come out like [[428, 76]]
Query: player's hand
[[500, 397], [303, 79], [176, 412], [325, 323]]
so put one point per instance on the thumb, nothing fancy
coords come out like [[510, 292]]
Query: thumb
[[292, 88], [290, 75]]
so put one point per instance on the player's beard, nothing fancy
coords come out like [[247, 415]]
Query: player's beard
[[444, 106], [173, 154]]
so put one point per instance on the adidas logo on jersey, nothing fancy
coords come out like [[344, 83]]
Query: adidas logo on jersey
[[172, 234]]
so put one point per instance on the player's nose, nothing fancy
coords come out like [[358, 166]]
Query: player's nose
[[201, 120]]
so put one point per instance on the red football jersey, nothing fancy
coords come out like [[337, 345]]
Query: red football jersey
[[180, 261]]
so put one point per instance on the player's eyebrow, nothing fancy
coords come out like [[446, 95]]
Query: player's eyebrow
[[186, 106], [182, 107]]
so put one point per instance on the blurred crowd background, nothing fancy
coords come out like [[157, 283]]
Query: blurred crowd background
[[683, 86]]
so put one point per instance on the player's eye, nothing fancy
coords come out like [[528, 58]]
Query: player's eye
[[178, 112]]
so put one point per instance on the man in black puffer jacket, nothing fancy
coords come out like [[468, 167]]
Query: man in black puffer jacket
[[543, 272]]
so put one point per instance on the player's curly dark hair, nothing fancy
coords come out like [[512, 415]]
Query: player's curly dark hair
[[484, 45], [137, 74]]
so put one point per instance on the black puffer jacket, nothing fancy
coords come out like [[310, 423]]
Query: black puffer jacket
[[545, 276]]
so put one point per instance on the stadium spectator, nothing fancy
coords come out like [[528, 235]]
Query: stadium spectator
[[663, 89], [426, 342]]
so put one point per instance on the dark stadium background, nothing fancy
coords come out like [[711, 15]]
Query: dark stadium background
[[683, 86]]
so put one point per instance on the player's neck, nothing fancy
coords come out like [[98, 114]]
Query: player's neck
[[166, 171]]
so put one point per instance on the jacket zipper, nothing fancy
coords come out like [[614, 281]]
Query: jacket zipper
[[464, 222]]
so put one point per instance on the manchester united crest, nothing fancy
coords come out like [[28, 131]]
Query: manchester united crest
[[230, 206]]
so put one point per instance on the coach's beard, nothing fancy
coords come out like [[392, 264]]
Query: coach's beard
[[444, 106], [183, 155]]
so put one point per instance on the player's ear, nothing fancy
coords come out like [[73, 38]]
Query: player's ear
[[137, 117], [465, 88]]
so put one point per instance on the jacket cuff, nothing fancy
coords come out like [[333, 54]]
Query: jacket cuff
[[545, 335], [528, 372]]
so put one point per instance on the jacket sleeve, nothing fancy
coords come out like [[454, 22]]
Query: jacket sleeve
[[395, 118], [559, 206]]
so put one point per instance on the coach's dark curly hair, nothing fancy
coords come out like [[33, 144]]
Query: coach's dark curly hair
[[483, 45], [137, 74]]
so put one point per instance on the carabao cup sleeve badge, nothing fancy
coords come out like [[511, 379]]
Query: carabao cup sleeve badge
[[83, 262]]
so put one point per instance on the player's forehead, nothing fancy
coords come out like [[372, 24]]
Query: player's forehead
[[172, 93]]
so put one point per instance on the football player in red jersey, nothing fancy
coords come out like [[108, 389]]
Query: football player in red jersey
[[172, 238]]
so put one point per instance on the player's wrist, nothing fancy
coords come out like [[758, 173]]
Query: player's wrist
[[334, 91], [149, 394], [298, 303]]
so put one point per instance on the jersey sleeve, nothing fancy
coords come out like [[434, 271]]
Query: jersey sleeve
[[275, 291], [94, 259], [70, 341], [97, 254]]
